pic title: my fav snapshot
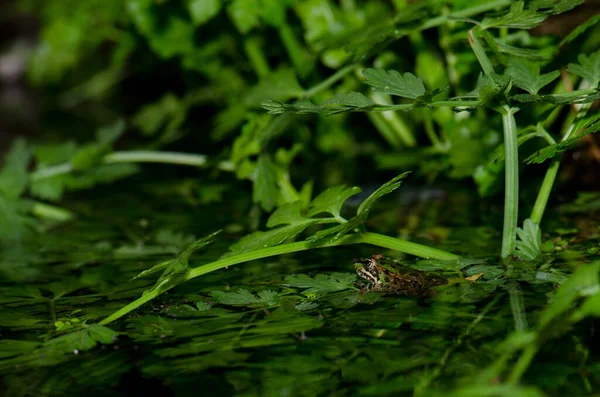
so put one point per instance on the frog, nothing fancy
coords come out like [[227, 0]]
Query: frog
[[390, 277]]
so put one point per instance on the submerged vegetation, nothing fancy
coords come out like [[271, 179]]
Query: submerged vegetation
[[209, 152]]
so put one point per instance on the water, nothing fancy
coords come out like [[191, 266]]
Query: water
[[247, 330]]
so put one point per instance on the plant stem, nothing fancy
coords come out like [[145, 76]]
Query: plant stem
[[136, 156], [258, 60], [522, 363], [297, 53], [407, 247], [483, 59], [442, 19], [544, 194], [369, 238], [511, 182], [48, 211], [396, 123], [323, 85]]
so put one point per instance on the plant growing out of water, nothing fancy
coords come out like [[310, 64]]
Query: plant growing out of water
[[514, 82]]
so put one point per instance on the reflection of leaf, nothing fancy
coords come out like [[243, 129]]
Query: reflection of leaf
[[243, 297], [529, 243], [84, 339], [321, 283], [584, 281]]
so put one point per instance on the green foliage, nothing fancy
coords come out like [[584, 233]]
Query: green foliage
[[291, 221], [392, 82], [526, 75], [440, 82], [588, 68], [529, 243], [590, 125], [175, 269], [517, 17]]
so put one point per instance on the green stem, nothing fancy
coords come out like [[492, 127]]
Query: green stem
[[297, 53], [544, 194], [522, 364], [511, 183], [442, 19], [396, 123], [328, 82], [483, 59], [258, 60], [136, 156], [369, 238], [384, 129], [48, 211], [407, 247]]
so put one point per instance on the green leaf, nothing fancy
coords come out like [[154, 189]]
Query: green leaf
[[201, 11], [384, 189], [266, 190], [13, 175], [517, 17], [259, 240], [332, 200], [165, 115], [321, 283], [245, 14], [243, 297], [280, 85], [177, 267], [303, 106], [394, 83], [352, 101], [168, 35], [579, 30], [552, 150], [526, 75], [92, 154], [588, 68], [335, 233], [556, 6], [537, 54], [529, 241], [288, 213]]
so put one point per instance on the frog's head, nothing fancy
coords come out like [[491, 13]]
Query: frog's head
[[367, 269]]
